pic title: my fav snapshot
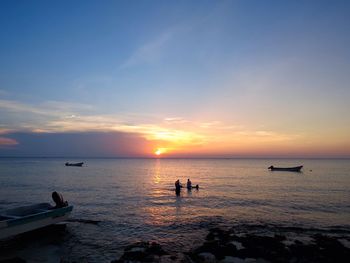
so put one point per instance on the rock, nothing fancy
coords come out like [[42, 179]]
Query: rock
[[232, 260], [137, 244], [218, 234], [261, 260], [344, 242], [137, 249], [142, 252], [250, 260], [166, 259], [238, 245], [264, 247], [13, 260], [229, 259], [226, 247], [240, 260], [279, 237], [207, 257], [324, 249], [178, 257], [156, 249], [215, 247], [331, 249]]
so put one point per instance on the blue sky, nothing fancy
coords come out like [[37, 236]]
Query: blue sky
[[242, 69]]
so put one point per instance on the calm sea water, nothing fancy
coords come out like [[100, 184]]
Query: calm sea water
[[134, 200]]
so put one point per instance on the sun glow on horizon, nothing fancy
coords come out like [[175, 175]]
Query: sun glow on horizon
[[159, 151]]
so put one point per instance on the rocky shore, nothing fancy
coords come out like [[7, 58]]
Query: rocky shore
[[245, 245], [232, 246]]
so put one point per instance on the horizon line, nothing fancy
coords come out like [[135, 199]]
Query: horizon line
[[185, 157]]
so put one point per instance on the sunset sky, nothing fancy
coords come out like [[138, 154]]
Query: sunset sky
[[176, 78]]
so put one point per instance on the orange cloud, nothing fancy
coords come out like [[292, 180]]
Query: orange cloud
[[7, 141]]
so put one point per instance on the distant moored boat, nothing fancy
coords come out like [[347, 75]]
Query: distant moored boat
[[288, 169], [74, 164]]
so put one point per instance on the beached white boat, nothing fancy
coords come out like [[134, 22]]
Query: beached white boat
[[27, 218]]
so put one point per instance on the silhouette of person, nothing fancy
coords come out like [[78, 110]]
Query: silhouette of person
[[58, 199], [189, 184], [177, 187]]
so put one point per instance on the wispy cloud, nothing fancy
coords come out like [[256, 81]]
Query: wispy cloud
[[149, 52], [49, 108], [15, 106], [175, 120]]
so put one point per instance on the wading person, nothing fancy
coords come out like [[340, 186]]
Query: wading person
[[189, 184], [177, 187]]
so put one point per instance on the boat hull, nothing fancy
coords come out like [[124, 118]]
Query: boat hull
[[12, 225], [74, 164], [287, 169]]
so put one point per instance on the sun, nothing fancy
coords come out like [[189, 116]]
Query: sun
[[158, 152]]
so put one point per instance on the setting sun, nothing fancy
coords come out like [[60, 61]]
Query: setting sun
[[158, 152]]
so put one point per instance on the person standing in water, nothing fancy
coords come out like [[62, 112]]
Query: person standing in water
[[189, 184], [177, 187]]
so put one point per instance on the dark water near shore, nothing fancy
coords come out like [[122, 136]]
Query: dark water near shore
[[134, 200]]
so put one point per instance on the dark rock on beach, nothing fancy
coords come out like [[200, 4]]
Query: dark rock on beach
[[228, 246], [148, 252], [323, 249], [13, 260], [266, 247]]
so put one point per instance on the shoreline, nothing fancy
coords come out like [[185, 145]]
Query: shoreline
[[236, 244], [251, 244]]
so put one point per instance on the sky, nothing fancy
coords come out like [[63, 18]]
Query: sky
[[175, 78]]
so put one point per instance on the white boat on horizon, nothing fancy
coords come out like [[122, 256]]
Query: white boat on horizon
[[287, 169], [27, 218]]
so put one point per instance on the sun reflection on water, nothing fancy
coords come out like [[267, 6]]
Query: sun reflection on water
[[157, 176]]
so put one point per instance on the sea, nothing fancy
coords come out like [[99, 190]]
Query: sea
[[130, 200]]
